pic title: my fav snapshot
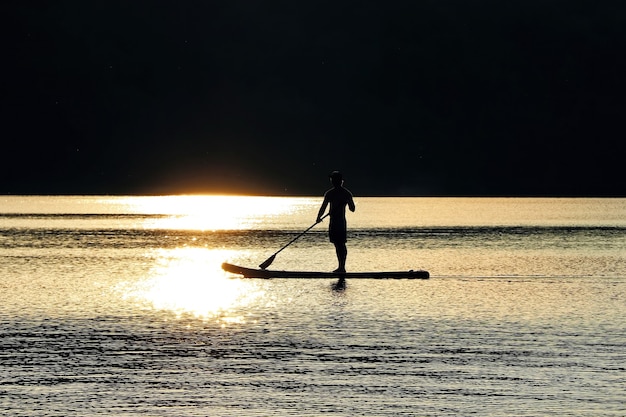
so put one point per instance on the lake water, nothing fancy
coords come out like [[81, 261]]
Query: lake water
[[118, 306]]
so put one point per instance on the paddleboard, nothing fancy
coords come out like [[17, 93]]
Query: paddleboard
[[265, 273]]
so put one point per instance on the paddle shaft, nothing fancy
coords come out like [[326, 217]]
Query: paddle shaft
[[297, 237], [269, 260]]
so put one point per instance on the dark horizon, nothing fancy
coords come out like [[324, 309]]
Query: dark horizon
[[436, 98]]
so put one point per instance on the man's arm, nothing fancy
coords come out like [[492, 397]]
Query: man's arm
[[351, 205], [320, 213]]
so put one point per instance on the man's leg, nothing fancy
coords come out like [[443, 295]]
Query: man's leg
[[342, 254]]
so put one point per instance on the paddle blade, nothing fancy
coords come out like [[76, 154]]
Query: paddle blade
[[267, 262]]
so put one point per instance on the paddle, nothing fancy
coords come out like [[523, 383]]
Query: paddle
[[269, 260]]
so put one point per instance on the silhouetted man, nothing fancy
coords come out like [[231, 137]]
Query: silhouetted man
[[338, 197]]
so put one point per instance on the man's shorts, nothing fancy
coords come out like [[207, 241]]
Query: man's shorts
[[337, 232]]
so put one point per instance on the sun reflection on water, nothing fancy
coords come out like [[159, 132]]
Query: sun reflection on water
[[202, 212], [189, 281]]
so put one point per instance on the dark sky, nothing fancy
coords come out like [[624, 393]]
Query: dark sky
[[419, 97]]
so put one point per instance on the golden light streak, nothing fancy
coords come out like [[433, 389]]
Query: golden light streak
[[189, 281], [208, 212]]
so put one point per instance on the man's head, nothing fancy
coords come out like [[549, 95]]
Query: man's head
[[336, 178]]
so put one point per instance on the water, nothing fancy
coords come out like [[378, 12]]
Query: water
[[118, 306]]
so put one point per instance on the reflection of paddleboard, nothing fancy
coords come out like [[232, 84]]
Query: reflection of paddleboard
[[263, 273]]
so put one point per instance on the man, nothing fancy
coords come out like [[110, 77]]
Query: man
[[338, 197]]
